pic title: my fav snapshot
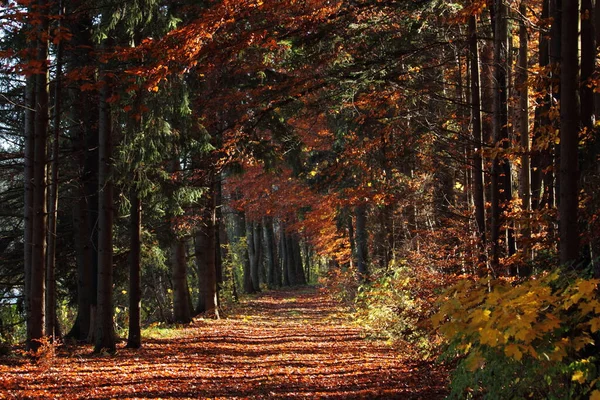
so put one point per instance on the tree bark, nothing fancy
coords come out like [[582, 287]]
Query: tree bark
[[478, 173], [569, 135], [253, 240], [273, 275], [105, 335], [36, 317], [205, 252], [361, 242], [51, 329], [181, 302], [134, 338], [523, 87]]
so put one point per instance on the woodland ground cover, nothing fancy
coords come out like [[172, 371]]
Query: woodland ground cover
[[279, 344]]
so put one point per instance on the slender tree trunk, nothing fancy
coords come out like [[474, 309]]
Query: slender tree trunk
[[36, 318], [254, 251], [569, 135], [205, 253], [361, 242], [134, 339], [51, 329], [298, 264], [523, 87], [29, 155], [478, 175], [181, 303], [284, 257], [501, 179], [270, 256], [105, 335], [541, 156]]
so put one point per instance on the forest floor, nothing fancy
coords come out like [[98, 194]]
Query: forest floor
[[282, 344]]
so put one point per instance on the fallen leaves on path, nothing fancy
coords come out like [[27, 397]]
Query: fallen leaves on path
[[286, 344]]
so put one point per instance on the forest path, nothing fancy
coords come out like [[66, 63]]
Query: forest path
[[283, 344]]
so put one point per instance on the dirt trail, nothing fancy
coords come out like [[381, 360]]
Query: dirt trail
[[289, 344]]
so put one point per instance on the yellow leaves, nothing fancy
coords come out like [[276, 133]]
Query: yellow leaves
[[521, 320], [595, 395], [491, 337], [578, 376], [512, 350]]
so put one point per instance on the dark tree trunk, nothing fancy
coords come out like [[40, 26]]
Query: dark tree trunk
[[253, 240], [523, 87], [181, 302], [541, 158], [51, 329], [205, 252], [273, 275], [36, 317], [362, 242], [478, 175], [298, 264], [134, 339], [84, 116], [569, 132], [284, 257], [105, 335], [29, 155]]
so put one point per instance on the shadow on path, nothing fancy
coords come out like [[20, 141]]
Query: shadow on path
[[286, 345]]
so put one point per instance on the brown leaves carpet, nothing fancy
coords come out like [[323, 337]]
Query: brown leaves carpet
[[281, 345]]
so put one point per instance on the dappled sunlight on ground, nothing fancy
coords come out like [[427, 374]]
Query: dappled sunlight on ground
[[289, 344]]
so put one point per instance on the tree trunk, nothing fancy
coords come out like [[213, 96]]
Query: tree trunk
[[29, 155], [501, 178], [361, 242], [273, 275], [36, 317], [105, 335], [51, 328], [569, 134], [205, 252], [523, 87], [181, 303], [478, 175], [134, 339], [253, 240], [241, 231], [284, 257], [84, 117], [298, 264]]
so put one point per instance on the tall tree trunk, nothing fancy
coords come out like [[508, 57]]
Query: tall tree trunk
[[36, 317], [134, 338], [29, 154], [298, 264], [284, 257], [84, 116], [523, 87], [361, 242], [182, 312], [501, 177], [590, 170], [478, 175], [205, 252], [105, 335], [273, 275], [569, 134], [51, 329], [241, 231], [541, 158], [253, 240]]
